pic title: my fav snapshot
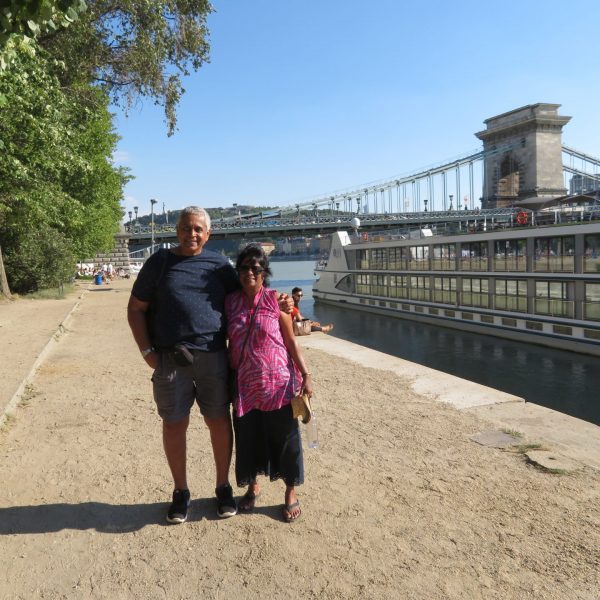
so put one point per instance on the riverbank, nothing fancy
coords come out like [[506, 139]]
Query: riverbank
[[399, 502]]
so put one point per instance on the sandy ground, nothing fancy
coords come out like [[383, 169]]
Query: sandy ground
[[398, 502]]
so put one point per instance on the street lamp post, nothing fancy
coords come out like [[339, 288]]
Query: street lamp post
[[135, 208], [450, 207], [425, 203], [130, 224], [152, 203]]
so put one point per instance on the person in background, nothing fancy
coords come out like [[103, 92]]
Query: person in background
[[186, 287], [270, 372], [297, 295]]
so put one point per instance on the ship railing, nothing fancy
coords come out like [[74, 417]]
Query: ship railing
[[591, 311], [512, 303], [555, 307], [591, 264]]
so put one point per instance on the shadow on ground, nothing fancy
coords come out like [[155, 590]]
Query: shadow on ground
[[104, 518]]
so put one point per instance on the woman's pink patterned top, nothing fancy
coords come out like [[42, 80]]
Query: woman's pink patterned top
[[267, 376]]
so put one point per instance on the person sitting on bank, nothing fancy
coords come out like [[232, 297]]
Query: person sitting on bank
[[297, 295]]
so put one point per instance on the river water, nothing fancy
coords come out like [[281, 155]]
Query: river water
[[564, 381]]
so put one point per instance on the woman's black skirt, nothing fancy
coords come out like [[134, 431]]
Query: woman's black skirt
[[268, 443]]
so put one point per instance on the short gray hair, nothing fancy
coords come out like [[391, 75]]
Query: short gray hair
[[194, 210]]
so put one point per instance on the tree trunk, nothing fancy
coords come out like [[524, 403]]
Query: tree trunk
[[4, 289]]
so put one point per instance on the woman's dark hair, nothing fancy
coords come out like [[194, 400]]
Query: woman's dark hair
[[255, 251]]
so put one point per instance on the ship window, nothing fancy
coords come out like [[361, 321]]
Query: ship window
[[363, 283], [475, 292], [379, 285], [379, 259], [444, 290], [396, 260], [419, 288], [346, 284], [554, 298], [591, 306], [419, 258], [474, 256], [398, 286], [510, 255], [554, 254], [444, 257], [362, 259], [511, 294], [562, 329], [591, 262]]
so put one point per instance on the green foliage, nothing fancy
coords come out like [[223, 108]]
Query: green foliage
[[21, 21], [56, 173], [44, 259], [135, 49]]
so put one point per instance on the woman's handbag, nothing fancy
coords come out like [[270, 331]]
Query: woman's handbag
[[302, 327], [301, 407]]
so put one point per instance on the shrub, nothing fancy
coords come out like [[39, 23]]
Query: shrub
[[44, 259]]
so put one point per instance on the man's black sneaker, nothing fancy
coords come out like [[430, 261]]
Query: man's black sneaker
[[226, 506], [178, 510]]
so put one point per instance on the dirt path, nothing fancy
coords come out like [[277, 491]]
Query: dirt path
[[398, 503]]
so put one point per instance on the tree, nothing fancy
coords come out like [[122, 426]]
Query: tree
[[21, 21], [56, 174], [135, 49]]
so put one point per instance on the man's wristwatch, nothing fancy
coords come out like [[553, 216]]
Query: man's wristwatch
[[147, 351]]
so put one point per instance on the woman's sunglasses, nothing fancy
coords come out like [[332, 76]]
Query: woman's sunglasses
[[256, 270]]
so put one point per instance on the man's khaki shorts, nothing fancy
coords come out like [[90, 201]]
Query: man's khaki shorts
[[176, 388]]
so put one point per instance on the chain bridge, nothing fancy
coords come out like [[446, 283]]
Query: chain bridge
[[491, 184]]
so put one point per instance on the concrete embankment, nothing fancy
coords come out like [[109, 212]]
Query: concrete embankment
[[568, 436]]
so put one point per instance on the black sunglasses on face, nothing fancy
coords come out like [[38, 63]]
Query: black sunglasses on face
[[256, 270]]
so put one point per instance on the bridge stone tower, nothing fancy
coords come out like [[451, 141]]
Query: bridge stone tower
[[523, 161]]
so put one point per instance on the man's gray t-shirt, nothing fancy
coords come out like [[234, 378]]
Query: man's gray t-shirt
[[187, 304]]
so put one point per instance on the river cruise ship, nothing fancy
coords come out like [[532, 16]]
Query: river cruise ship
[[517, 279]]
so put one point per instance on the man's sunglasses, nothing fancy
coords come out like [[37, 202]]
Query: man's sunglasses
[[256, 270]]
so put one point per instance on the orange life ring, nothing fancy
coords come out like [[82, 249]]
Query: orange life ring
[[522, 218]]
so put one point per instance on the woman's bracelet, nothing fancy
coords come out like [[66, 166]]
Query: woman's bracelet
[[306, 374]]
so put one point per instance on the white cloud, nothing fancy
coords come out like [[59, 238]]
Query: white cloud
[[120, 157]]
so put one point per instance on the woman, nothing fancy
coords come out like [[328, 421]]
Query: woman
[[270, 372]]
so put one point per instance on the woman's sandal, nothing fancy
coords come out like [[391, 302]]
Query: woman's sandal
[[287, 512], [248, 501]]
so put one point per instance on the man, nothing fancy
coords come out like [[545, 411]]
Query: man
[[186, 288], [297, 295]]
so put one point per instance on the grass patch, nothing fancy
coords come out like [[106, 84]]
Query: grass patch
[[551, 470], [29, 393], [522, 448], [51, 293], [9, 420], [512, 432]]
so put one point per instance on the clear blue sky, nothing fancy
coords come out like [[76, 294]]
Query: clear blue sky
[[304, 98]]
